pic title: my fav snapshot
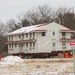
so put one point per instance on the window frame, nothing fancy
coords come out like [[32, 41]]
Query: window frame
[[26, 35], [43, 33], [54, 44], [63, 33], [64, 43], [53, 32]]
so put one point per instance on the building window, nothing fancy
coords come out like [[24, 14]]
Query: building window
[[43, 33], [33, 34], [64, 43], [63, 33], [53, 44], [53, 33], [19, 35], [26, 34]]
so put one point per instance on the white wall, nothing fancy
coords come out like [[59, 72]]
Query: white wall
[[45, 43]]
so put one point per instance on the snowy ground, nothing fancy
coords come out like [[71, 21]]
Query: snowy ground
[[17, 66]]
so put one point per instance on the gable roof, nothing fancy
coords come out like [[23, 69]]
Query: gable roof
[[36, 28], [59, 26], [28, 29]]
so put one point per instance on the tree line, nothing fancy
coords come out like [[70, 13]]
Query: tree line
[[41, 14]]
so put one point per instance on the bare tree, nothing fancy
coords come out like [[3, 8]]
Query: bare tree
[[42, 14], [66, 17], [3, 39], [12, 25], [2, 28]]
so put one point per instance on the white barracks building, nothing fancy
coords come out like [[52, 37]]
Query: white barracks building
[[41, 38]]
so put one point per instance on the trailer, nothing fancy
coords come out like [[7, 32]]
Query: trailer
[[53, 54]]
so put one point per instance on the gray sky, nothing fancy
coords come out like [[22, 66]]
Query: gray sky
[[11, 8]]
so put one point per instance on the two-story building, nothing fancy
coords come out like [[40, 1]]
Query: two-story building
[[41, 38]]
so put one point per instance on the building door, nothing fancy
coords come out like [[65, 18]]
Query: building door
[[21, 48]]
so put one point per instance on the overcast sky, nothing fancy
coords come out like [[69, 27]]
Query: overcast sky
[[11, 8]]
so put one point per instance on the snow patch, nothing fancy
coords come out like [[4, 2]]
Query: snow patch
[[12, 59]]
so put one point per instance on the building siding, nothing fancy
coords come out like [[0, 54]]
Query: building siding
[[50, 42]]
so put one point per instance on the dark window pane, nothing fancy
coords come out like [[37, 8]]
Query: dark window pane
[[43, 33], [53, 33], [63, 33], [26, 34], [53, 44]]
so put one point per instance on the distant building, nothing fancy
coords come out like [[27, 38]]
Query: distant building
[[41, 38]]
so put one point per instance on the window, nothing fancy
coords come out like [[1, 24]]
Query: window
[[33, 34], [53, 33], [53, 44], [63, 47], [19, 35], [26, 34], [33, 45], [63, 43], [63, 33], [43, 33]]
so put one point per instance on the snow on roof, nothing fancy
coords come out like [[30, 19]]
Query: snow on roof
[[34, 28], [28, 29]]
